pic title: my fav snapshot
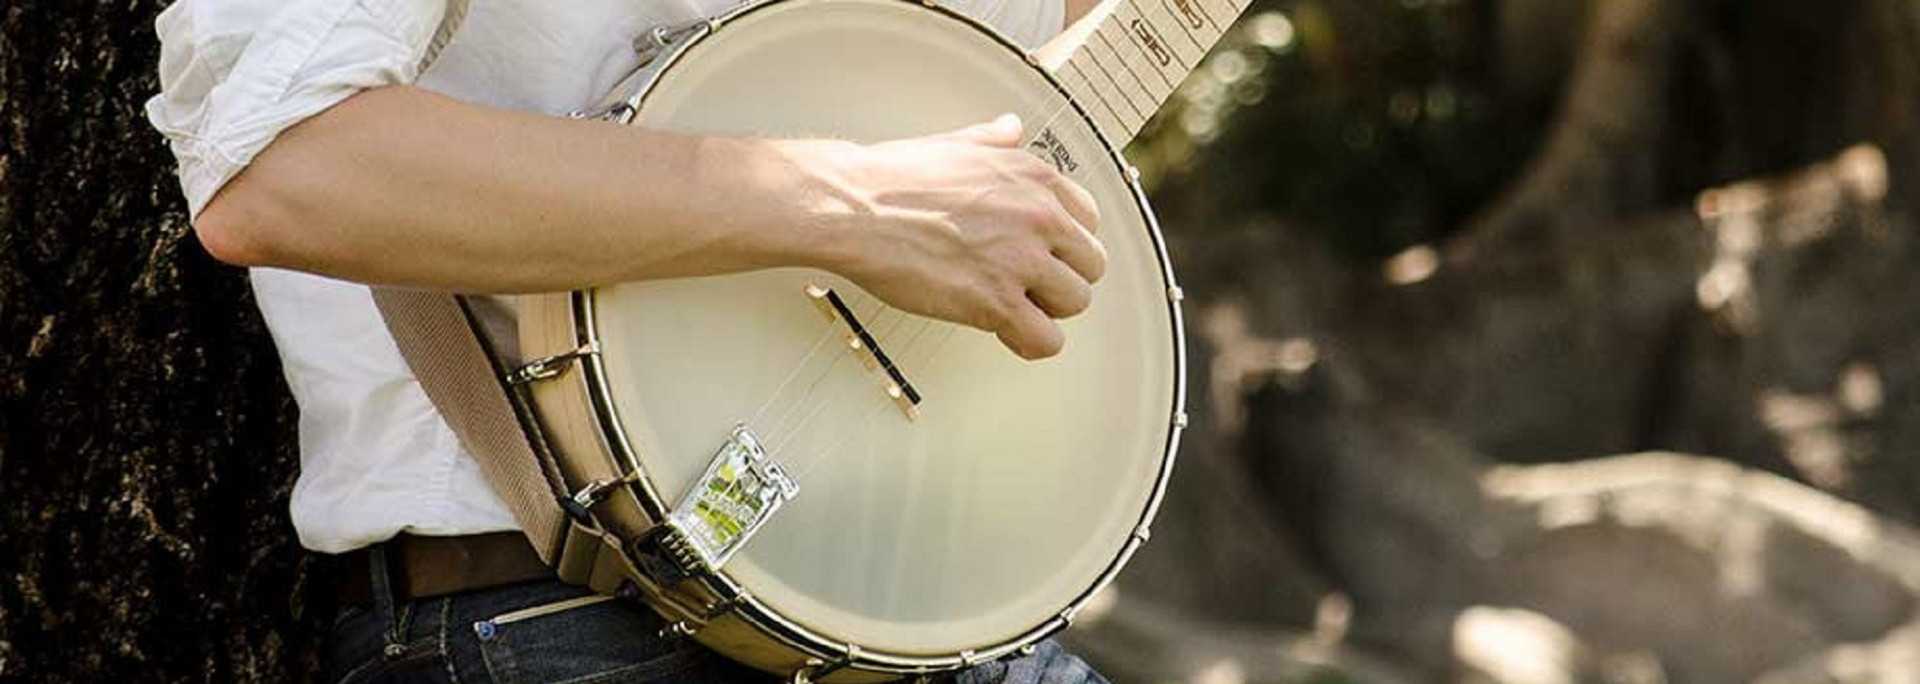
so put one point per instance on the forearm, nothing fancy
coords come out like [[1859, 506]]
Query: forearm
[[401, 186]]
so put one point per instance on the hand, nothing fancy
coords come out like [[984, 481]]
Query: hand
[[967, 227]]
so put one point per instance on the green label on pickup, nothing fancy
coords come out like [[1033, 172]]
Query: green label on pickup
[[739, 492]]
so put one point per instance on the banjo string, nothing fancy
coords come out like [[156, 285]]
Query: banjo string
[[780, 434], [799, 402], [801, 467], [795, 373], [781, 440]]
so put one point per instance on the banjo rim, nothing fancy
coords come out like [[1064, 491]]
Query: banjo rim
[[668, 47]]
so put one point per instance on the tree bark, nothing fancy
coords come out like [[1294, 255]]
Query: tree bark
[[146, 440]]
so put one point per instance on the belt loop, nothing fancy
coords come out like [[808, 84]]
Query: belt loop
[[383, 608]]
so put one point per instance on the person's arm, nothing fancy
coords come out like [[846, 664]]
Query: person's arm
[[1078, 10], [401, 186], [1082, 17]]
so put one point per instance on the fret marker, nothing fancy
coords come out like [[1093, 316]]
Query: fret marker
[[1150, 43]]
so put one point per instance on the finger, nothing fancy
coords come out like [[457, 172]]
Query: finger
[[1078, 202], [1031, 334], [1003, 131], [1060, 291], [1079, 250]]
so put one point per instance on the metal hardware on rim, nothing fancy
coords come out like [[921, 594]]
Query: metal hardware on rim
[[660, 556], [818, 669], [549, 367], [649, 45], [618, 111], [719, 608], [1143, 533], [579, 505], [679, 629]]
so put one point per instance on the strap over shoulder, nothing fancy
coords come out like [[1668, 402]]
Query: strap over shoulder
[[443, 346]]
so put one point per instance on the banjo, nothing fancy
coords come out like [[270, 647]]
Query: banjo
[[820, 486]]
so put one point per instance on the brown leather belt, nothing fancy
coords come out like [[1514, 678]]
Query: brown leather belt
[[424, 567]]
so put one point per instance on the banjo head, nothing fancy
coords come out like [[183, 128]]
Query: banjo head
[[1019, 488]]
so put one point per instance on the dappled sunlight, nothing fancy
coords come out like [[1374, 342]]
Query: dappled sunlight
[[1242, 358], [1516, 646], [1813, 428], [1224, 671], [1797, 211], [1412, 265], [1809, 431], [1698, 497]]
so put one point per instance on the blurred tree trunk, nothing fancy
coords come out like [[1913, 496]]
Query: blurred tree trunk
[[145, 435]]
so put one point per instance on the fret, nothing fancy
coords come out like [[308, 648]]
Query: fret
[[1104, 115], [1122, 86], [1164, 34], [1136, 53], [1174, 33], [1194, 19], [1149, 43], [1127, 49], [1122, 49]]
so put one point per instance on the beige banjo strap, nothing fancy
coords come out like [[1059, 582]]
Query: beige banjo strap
[[437, 336], [447, 352]]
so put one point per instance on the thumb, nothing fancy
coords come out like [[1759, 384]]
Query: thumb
[[1003, 131]]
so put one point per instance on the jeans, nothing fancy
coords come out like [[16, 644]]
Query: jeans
[[507, 635]]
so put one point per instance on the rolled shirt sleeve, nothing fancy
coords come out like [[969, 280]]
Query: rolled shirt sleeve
[[235, 73]]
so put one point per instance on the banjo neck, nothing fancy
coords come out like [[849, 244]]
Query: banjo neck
[[1125, 59]]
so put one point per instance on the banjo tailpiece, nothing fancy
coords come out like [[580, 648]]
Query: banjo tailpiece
[[740, 491]]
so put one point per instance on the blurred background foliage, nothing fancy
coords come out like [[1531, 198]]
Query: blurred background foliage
[[1373, 125]]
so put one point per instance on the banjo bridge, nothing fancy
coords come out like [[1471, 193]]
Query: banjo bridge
[[860, 341]]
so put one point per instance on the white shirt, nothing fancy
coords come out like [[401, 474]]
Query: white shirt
[[375, 458]]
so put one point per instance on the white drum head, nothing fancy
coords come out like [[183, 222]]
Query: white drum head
[[1020, 484]]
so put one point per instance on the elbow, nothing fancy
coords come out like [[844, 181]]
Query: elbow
[[232, 231]]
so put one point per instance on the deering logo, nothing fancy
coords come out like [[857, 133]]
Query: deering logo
[[1049, 148]]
